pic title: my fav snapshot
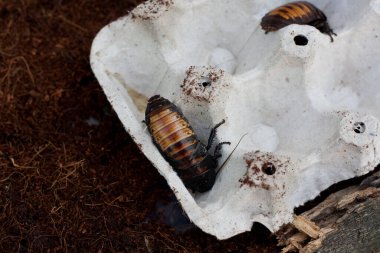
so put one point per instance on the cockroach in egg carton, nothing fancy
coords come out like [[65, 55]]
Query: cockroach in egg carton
[[179, 145], [301, 13]]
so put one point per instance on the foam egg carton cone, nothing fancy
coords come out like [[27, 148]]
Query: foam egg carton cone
[[311, 111]]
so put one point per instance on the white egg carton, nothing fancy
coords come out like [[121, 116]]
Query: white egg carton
[[312, 111]]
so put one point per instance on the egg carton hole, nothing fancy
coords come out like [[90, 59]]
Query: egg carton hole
[[205, 81], [301, 40], [359, 127]]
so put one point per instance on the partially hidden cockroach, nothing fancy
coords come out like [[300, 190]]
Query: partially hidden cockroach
[[177, 142], [301, 13]]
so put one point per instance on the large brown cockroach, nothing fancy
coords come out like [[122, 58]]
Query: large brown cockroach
[[301, 12], [179, 145]]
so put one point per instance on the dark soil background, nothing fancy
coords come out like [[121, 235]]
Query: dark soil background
[[71, 178]]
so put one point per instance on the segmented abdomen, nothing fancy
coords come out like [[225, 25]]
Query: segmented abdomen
[[172, 133], [300, 12]]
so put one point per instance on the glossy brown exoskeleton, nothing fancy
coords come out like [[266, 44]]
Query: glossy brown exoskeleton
[[179, 145], [300, 12]]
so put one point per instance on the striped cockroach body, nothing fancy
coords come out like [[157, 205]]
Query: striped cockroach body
[[300, 12], [179, 145]]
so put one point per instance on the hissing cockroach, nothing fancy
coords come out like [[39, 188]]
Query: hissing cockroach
[[179, 145], [301, 12]]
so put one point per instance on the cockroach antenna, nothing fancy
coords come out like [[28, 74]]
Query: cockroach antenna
[[229, 156]]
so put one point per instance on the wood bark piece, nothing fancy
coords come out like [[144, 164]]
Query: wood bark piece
[[346, 221], [307, 226]]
